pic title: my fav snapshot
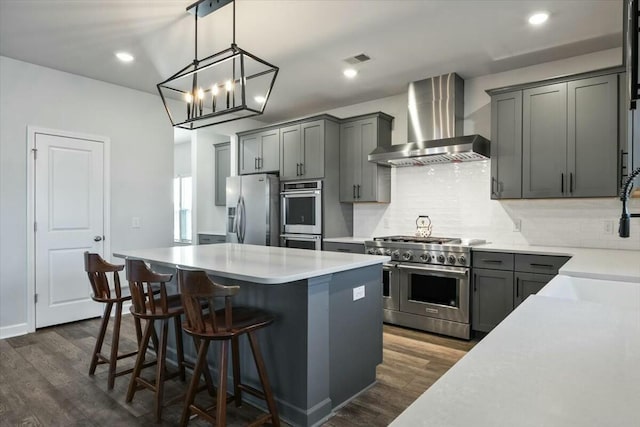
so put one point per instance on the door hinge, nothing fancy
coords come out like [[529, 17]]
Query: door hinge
[[35, 298], [35, 153]]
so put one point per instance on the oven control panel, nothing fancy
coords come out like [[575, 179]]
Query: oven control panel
[[453, 256]]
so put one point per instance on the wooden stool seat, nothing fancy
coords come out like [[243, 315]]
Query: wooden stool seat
[[154, 310], [225, 325], [97, 269]]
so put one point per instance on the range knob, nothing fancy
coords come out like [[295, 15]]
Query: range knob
[[452, 259], [425, 257], [462, 260], [395, 254], [407, 256], [380, 251], [371, 251], [441, 258], [387, 252]]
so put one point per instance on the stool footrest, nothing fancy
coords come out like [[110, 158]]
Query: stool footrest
[[251, 390], [260, 421]]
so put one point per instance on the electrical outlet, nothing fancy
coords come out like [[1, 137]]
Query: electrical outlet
[[358, 293], [135, 222], [517, 224], [608, 227]]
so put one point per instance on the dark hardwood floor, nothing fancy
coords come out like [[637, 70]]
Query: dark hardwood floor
[[44, 381]]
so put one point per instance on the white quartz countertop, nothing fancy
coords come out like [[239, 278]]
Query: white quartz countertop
[[348, 239], [625, 295], [259, 264], [605, 264], [554, 361]]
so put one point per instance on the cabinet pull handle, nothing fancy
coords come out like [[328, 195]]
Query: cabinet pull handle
[[533, 264], [517, 287], [259, 162], [358, 190], [562, 183], [475, 288], [354, 191], [492, 261], [301, 169], [571, 182], [623, 167], [297, 169], [255, 163], [493, 193]]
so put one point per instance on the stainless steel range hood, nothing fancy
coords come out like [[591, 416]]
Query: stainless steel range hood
[[435, 120]]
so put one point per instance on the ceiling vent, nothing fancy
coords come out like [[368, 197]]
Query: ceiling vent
[[357, 59]]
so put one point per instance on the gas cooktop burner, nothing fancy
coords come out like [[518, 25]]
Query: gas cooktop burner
[[415, 239]]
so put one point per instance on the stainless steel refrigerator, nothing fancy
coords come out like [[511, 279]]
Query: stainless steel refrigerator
[[253, 209]]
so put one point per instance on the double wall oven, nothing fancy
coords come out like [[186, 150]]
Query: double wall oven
[[427, 283], [301, 212]]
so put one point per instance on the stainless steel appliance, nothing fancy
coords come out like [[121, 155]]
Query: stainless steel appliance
[[427, 283], [435, 121], [253, 209], [301, 208]]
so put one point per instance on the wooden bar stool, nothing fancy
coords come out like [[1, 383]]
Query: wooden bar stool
[[97, 269], [151, 303], [225, 325]]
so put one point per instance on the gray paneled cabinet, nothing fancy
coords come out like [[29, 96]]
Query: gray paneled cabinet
[[302, 150], [361, 180], [492, 298], [222, 171], [556, 140], [260, 152]]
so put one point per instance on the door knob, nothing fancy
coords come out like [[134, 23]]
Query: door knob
[[97, 238]]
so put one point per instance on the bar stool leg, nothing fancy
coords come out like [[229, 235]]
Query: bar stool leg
[[133, 383], [114, 346], [161, 358], [262, 372], [221, 404], [193, 385], [205, 370], [237, 393], [100, 339], [179, 346], [136, 322]]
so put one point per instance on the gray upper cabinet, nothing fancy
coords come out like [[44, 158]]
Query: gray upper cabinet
[[222, 171], [506, 146], [361, 180], [302, 151], [260, 152], [593, 136], [544, 141]]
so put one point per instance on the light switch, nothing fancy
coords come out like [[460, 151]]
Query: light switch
[[358, 293], [135, 222]]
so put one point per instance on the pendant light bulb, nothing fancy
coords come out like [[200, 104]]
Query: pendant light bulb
[[200, 94], [188, 97], [228, 85], [214, 89]]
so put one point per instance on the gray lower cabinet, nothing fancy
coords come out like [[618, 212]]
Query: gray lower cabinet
[[259, 152], [354, 248], [492, 298], [302, 151], [207, 239], [506, 146], [529, 284], [222, 171], [361, 180]]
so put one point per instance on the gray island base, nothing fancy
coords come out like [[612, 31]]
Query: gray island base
[[324, 346]]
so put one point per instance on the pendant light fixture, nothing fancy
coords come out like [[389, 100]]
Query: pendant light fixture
[[229, 85]]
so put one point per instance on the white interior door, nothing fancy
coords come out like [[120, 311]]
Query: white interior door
[[69, 215]]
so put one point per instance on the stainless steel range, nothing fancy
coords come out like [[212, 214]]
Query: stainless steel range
[[427, 283]]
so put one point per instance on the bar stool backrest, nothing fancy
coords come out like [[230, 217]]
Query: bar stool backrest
[[143, 295], [198, 293], [97, 269]]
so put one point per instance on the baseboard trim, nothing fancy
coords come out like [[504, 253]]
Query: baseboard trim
[[13, 330]]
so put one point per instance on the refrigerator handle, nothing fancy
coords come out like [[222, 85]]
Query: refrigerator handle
[[243, 221], [236, 220]]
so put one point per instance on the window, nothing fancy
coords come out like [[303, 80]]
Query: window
[[182, 231]]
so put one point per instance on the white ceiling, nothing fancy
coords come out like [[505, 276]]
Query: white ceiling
[[308, 39]]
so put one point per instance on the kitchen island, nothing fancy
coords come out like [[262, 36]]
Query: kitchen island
[[326, 341]]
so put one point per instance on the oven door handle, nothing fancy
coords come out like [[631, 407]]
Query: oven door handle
[[299, 193], [459, 271], [299, 237]]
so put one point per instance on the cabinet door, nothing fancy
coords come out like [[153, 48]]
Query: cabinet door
[[492, 298], [506, 146], [544, 141], [270, 154], [368, 185], [249, 153], [290, 152], [350, 148], [528, 284], [312, 149], [593, 137], [222, 171]]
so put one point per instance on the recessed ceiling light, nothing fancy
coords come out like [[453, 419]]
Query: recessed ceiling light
[[259, 99], [350, 73], [124, 56], [538, 18]]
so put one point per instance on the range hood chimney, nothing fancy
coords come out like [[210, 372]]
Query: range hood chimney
[[435, 120]]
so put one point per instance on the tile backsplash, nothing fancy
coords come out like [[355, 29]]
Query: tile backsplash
[[456, 198]]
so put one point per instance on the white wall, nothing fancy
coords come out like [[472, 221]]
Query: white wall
[[210, 218], [182, 159], [141, 163]]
